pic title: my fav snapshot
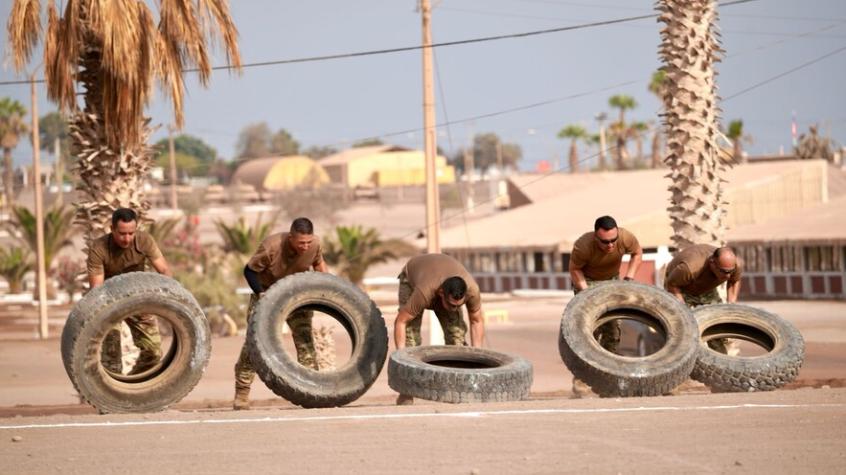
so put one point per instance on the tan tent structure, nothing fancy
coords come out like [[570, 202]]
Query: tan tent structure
[[280, 173]]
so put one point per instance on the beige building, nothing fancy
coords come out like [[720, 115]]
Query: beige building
[[529, 245], [383, 166]]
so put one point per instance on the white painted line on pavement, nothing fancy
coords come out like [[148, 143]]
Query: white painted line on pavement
[[353, 417]]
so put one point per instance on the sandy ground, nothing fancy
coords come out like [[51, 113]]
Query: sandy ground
[[799, 429]]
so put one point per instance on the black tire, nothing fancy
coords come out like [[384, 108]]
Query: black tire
[[612, 375], [119, 297], [459, 374], [723, 373], [333, 296]]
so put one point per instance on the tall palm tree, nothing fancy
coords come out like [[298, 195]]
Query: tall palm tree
[[12, 126], [353, 249], [689, 49], [112, 51], [58, 231], [637, 130], [657, 86], [620, 129], [574, 133], [53, 132], [737, 136]]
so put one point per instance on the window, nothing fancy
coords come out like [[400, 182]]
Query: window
[[565, 262], [821, 259], [539, 264], [786, 259]]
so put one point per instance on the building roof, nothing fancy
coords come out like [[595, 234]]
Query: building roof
[[565, 206], [277, 172], [821, 223], [348, 155]]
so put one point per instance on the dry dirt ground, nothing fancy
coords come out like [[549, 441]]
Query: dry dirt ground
[[787, 431]]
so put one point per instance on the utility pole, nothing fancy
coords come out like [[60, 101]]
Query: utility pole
[[43, 330], [601, 119], [469, 170], [173, 202], [433, 235]]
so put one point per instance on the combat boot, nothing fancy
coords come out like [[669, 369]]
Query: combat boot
[[404, 400], [242, 398]]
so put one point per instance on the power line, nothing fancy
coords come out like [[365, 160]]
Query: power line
[[484, 39], [785, 73]]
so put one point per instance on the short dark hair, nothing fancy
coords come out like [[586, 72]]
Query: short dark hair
[[605, 222], [125, 215], [302, 226], [455, 287]]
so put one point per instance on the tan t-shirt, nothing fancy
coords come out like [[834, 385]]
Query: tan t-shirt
[[427, 273], [690, 273], [106, 257], [594, 262], [275, 259]]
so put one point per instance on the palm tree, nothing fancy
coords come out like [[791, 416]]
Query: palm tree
[[638, 130], [15, 262], [574, 133], [12, 126], [353, 249], [619, 129], [241, 239], [689, 49], [112, 51], [657, 86], [737, 137], [53, 131], [58, 231]]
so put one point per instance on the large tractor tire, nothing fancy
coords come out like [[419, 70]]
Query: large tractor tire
[[178, 370], [772, 370], [613, 375], [459, 374], [338, 298]]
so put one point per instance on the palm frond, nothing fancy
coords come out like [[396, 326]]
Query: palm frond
[[24, 29]]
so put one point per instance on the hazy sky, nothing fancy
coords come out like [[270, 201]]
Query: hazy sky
[[340, 101]]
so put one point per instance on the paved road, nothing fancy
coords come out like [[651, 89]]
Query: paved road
[[798, 431]]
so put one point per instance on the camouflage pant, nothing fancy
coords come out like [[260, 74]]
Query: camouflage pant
[[300, 325], [607, 335], [708, 298], [145, 336], [452, 322]]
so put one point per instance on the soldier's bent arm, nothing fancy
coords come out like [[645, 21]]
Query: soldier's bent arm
[[732, 291], [321, 266], [400, 324], [161, 266], [253, 280], [95, 280], [676, 292], [634, 263], [477, 328], [577, 277]]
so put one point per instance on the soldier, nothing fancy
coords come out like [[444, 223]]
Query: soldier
[[125, 249], [596, 258], [440, 283], [278, 256], [695, 273]]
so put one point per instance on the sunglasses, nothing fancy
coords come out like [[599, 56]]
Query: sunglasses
[[607, 241], [727, 271]]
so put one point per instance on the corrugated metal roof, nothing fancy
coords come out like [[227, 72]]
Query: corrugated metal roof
[[823, 222], [565, 207]]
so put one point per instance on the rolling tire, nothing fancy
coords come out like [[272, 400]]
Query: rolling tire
[[354, 311], [612, 375], [459, 374], [724, 373], [178, 371]]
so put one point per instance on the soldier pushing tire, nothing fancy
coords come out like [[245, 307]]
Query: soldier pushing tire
[[162, 382]]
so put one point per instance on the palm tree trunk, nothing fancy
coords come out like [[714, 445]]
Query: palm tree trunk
[[689, 48], [622, 154], [639, 145], [656, 148], [108, 178], [8, 178], [738, 151], [574, 157]]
